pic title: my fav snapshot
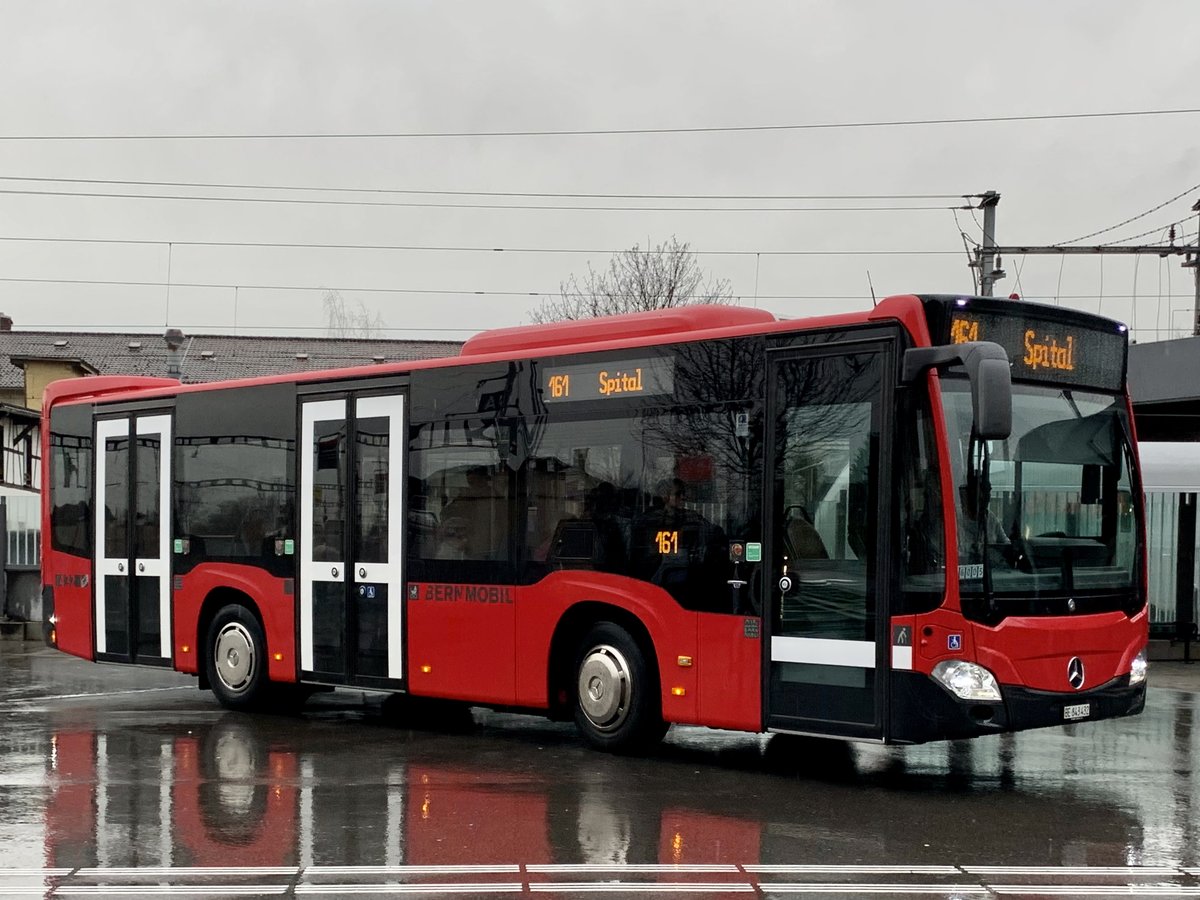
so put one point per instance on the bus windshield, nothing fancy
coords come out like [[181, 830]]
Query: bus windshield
[[1051, 511]]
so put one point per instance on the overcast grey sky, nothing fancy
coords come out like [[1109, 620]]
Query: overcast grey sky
[[204, 68]]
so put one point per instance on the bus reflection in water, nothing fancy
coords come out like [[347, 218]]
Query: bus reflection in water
[[228, 796], [233, 794], [916, 523]]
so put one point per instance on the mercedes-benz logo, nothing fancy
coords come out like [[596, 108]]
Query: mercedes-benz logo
[[1075, 672]]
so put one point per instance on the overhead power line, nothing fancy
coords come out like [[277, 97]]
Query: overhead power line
[[362, 290], [1161, 229], [275, 287], [446, 193], [464, 249], [1140, 215], [451, 292], [305, 201], [600, 132]]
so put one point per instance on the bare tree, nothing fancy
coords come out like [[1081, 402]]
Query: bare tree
[[346, 321], [666, 276]]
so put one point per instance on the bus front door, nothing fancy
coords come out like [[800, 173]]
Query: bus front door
[[830, 420], [352, 535], [132, 553]]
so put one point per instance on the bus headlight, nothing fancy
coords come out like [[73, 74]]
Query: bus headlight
[[966, 680], [1137, 671]]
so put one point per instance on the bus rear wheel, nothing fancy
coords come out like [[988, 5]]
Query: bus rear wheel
[[236, 662], [617, 706]]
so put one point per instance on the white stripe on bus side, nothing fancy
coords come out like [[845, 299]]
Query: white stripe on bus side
[[823, 652]]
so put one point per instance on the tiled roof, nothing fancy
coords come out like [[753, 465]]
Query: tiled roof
[[205, 357]]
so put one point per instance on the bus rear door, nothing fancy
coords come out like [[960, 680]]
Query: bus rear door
[[352, 535], [132, 553], [826, 672]]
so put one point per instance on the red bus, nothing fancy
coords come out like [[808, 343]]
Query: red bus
[[915, 523]]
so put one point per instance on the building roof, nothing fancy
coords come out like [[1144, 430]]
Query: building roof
[[8, 410], [83, 364], [1165, 371], [203, 357], [1169, 467]]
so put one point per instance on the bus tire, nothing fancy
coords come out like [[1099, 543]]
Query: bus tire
[[617, 706], [236, 661]]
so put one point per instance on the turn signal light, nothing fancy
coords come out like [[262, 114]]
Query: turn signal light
[[278, 657], [425, 670], [684, 661], [678, 691], [185, 649]]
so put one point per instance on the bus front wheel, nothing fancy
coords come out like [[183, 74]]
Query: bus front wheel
[[237, 658], [617, 707]]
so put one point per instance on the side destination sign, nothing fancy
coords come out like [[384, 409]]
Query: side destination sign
[[650, 377], [1044, 350]]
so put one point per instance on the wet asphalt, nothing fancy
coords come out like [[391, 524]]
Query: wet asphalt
[[118, 781]]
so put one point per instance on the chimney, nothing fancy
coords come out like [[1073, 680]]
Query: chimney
[[5, 322], [174, 339]]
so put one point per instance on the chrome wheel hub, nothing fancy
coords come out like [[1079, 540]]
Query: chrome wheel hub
[[605, 688], [234, 655]]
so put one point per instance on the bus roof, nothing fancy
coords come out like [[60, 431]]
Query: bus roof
[[657, 323], [629, 331]]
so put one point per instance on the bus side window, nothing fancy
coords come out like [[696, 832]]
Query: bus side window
[[649, 495], [458, 496], [70, 492]]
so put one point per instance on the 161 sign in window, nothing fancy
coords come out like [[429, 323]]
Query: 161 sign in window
[[646, 377]]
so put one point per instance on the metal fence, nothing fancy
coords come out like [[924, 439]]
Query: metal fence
[[23, 518], [1162, 532]]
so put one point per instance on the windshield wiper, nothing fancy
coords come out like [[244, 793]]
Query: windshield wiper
[[1070, 398]]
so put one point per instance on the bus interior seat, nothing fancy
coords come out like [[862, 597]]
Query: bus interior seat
[[574, 544], [805, 540]]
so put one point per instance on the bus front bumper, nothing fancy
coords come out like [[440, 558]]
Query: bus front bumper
[[923, 710]]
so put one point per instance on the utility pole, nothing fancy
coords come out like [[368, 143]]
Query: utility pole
[[989, 253], [986, 257], [1193, 263]]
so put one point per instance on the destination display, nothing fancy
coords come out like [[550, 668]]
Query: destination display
[[648, 377], [1042, 349]]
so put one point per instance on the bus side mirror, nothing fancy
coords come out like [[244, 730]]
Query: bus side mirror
[[991, 399], [989, 372]]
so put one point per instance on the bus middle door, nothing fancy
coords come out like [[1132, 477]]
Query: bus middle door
[[352, 535]]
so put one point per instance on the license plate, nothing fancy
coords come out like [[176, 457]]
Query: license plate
[[1077, 711]]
